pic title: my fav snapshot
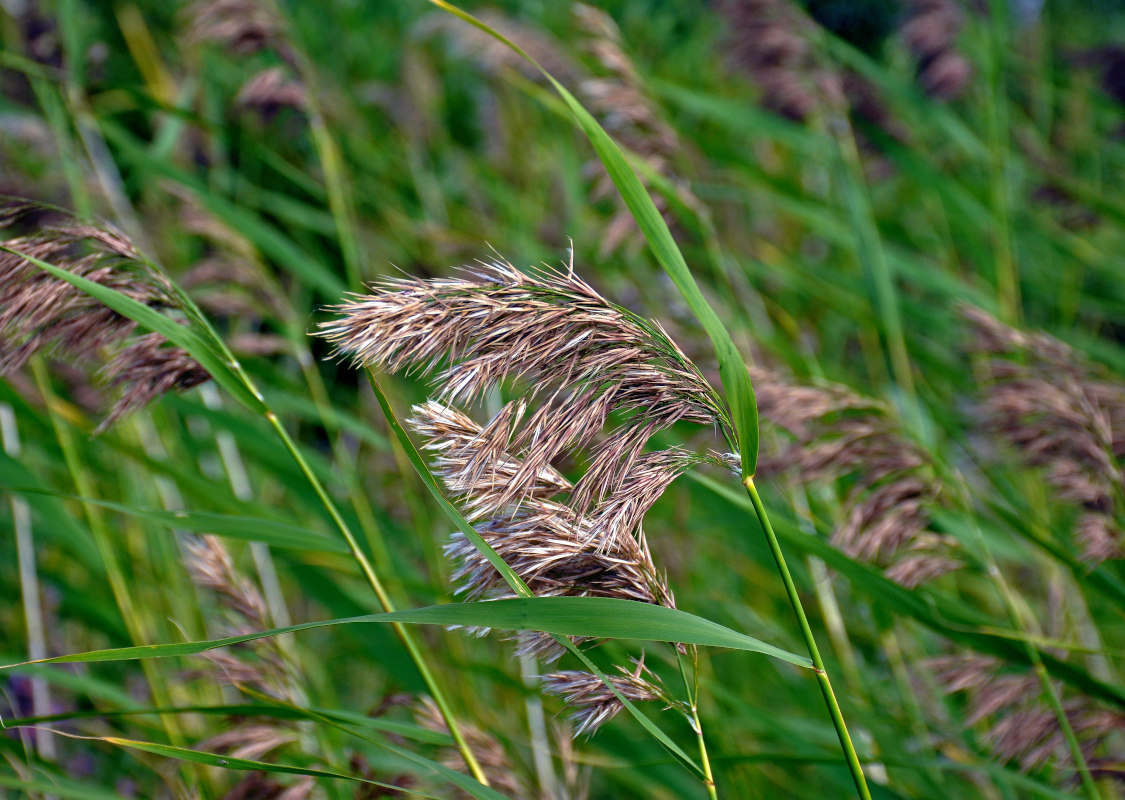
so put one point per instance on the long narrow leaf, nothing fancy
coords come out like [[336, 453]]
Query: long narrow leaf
[[257, 529], [597, 617], [732, 369]]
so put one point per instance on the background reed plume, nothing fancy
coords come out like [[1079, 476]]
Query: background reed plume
[[576, 364], [40, 314], [1020, 725], [1060, 414], [833, 434]]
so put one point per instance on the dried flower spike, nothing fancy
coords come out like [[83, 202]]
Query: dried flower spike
[[42, 314], [1022, 727], [593, 703], [840, 434], [553, 336], [1060, 414], [576, 362]]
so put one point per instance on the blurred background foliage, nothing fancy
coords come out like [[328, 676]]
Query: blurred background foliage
[[844, 180]]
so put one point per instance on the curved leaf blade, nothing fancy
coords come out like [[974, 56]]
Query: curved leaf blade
[[597, 617], [732, 369]]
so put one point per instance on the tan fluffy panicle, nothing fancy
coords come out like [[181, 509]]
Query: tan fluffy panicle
[[42, 314], [838, 434], [554, 549], [593, 704], [930, 34], [1021, 726], [211, 567], [1059, 413], [563, 346], [489, 751]]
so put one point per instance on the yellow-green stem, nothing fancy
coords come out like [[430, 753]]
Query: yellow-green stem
[[692, 689], [818, 664], [404, 634]]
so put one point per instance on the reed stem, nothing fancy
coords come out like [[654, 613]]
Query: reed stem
[[404, 634], [692, 689], [818, 664]]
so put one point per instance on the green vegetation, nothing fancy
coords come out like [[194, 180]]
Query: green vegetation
[[905, 221]]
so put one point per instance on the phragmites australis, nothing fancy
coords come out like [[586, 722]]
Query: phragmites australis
[[245, 27], [837, 434], [42, 314], [262, 665], [771, 41], [617, 97], [1058, 413], [594, 703], [1022, 727], [489, 752], [589, 379], [612, 89], [930, 34]]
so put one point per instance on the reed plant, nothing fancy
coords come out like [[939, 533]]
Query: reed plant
[[799, 474]]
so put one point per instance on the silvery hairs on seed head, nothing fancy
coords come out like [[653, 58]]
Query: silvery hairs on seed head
[[576, 364]]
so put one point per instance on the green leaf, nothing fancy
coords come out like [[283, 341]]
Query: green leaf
[[256, 529], [184, 336], [402, 729], [242, 764], [732, 369], [597, 617]]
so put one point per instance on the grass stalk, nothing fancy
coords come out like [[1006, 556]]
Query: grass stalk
[[691, 687], [822, 678], [103, 540], [404, 634], [29, 588]]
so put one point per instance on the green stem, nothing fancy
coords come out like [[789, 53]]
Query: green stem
[[692, 689], [404, 634], [818, 664]]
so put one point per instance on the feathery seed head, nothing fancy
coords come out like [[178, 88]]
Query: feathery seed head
[[1060, 414], [577, 363], [1022, 727], [42, 314], [839, 434], [592, 702]]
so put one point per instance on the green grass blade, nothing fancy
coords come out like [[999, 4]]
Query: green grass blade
[[255, 529], [732, 369], [184, 336], [597, 617]]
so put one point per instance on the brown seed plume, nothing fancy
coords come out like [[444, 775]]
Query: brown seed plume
[[498, 768], [770, 40], [549, 334], [271, 90], [930, 34], [1060, 414], [617, 97], [577, 365], [42, 314], [838, 434], [555, 550], [592, 702], [1021, 726], [211, 567]]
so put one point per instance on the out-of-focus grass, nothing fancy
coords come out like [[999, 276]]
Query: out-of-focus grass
[[811, 240]]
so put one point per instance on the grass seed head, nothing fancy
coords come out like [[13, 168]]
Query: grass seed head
[[1058, 413], [592, 703], [42, 314]]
